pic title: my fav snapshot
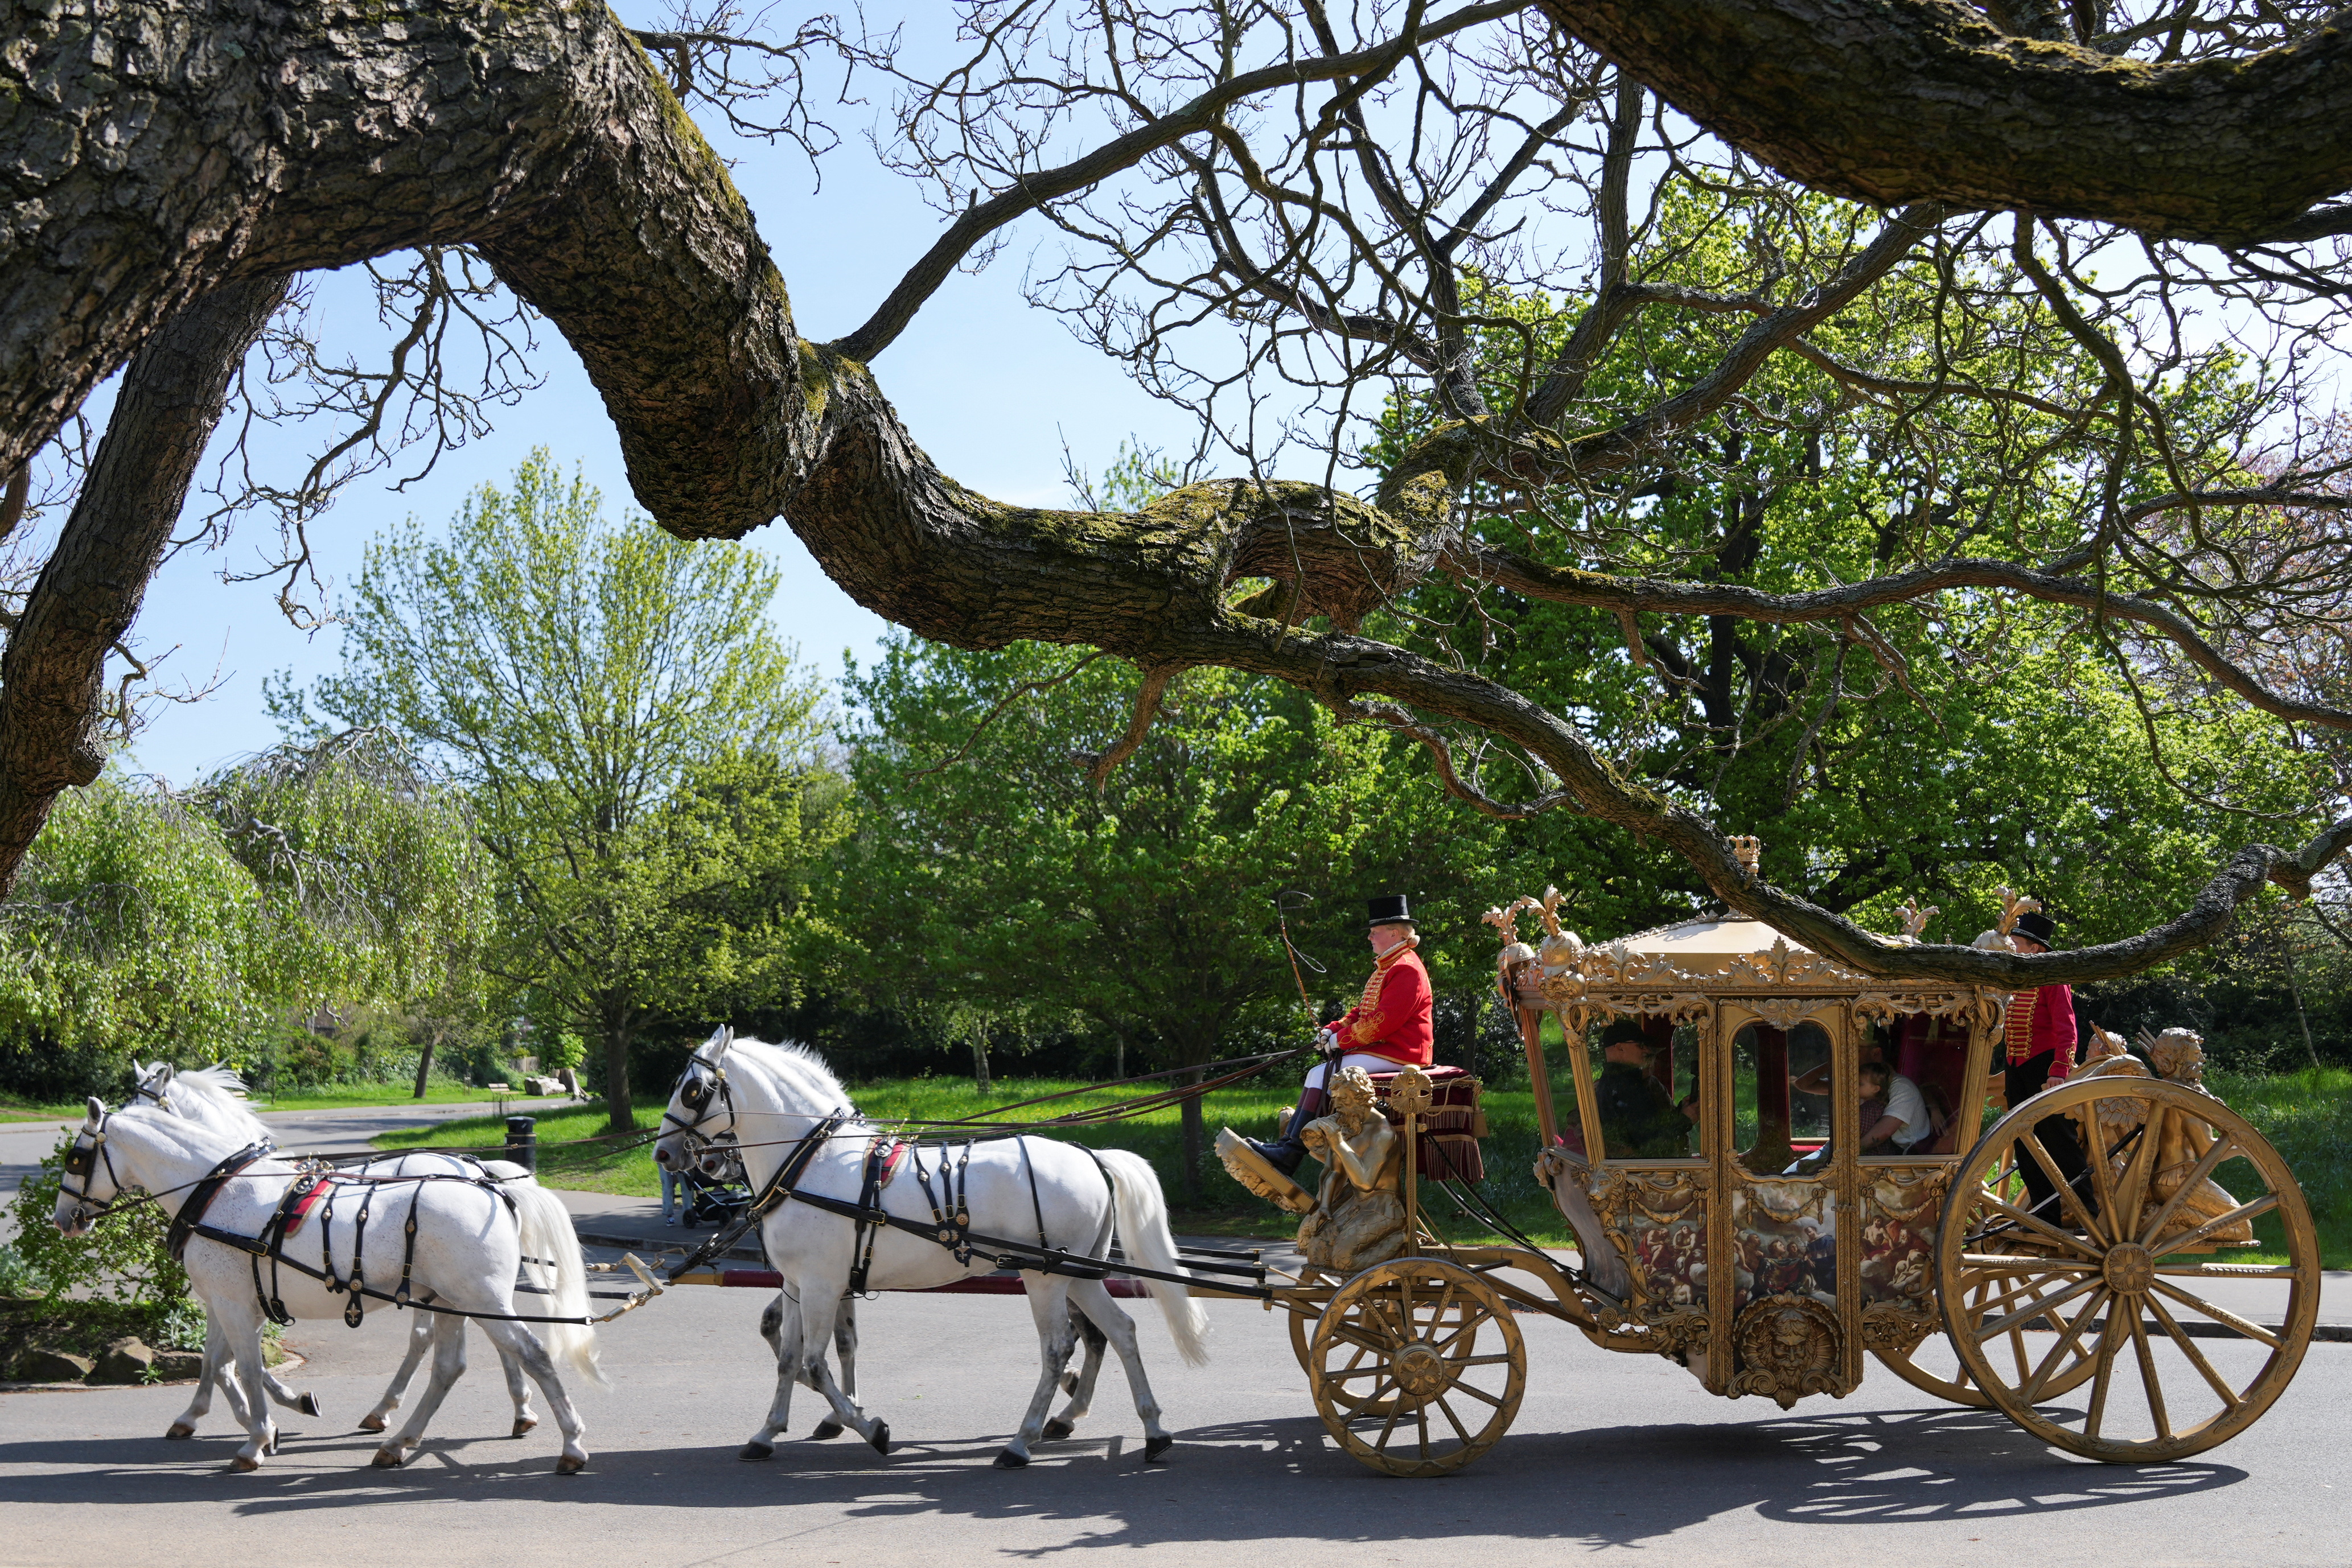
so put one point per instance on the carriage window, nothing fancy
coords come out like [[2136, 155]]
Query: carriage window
[[1933, 1053], [1773, 1120], [1645, 1089]]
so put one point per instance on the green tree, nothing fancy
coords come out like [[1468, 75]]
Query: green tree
[[1936, 748], [371, 864], [133, 930], [996, 876], [332, 872], [602, 693]]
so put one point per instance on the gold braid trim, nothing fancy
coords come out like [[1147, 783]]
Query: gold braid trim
[[1371, 1022], [2017, 1027]]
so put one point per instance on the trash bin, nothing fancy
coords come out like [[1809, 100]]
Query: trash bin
[[522, 1141]]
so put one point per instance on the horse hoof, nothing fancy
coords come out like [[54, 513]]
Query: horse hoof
[[881, 1438], [752, 1453], [565, 1465], [180, 1429], [310, 1406], [522, 1423], [1009, 1461], [826, 1429], [386, 1459], [1155, 1446], [241, 1463], [1070, 1384], [1056, 1429], [372, 1422]]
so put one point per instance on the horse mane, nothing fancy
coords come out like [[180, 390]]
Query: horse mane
[[792, 1059], [223, 1094]]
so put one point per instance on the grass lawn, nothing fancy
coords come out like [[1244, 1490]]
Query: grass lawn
[[1225, 1209], [2307, 1115], [329, 1099]]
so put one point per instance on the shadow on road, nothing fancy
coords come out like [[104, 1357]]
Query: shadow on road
[[1249, 1481]]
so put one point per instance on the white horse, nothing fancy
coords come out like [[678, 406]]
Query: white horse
[[765, 1099], [464, 1253], [215, 1097]]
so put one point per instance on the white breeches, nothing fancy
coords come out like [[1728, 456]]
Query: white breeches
[[1318, 1075]]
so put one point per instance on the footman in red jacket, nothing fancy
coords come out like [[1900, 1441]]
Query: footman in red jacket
[[2039, 1035]]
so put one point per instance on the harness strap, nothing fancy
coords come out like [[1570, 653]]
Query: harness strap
[[777, 1188], [253, 1245], [355, 1310], [1037, 1204], [408, 1248], [200, 1197], [881, 1153]]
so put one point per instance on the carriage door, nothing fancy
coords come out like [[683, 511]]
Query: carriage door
[[1785, 1186]]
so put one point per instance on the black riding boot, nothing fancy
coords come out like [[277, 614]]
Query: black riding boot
[[1285, 1153]]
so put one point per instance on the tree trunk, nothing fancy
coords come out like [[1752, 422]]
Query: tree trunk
[[52, 676], [617, 1035], [424, 1065], [980, 1060], [1196, 1144], [2296, 992]]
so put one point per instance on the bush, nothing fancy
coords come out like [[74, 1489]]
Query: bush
[[121, 1258]]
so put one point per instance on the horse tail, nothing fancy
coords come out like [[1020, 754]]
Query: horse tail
[[1143, 1227], [547, 1232]]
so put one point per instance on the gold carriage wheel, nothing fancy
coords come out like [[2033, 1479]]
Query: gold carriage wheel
[[1981, 1290], [1437, 1357], [2129, 1304], [1353, 1396]]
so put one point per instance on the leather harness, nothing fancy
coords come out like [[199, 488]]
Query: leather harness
[[950, 1224], [312, 1184]]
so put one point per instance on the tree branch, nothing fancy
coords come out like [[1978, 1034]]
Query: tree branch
[[52, 677], [1915, 101], [1201, 114]]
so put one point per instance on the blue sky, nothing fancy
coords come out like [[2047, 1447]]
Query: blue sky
[[989, 387]]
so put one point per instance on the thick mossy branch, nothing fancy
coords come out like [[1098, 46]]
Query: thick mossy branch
[[1909, 101]]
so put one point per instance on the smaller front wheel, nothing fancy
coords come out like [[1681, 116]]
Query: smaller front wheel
[[1417, 1367]]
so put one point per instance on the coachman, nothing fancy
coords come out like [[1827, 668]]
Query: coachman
[[1387, 1029]]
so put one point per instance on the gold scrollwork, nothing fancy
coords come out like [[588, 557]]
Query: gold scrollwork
[[1784, 1012], [1893, 1329], [1662, 1196], [1789, 1346], [1672, 1332], [1907, 1195]]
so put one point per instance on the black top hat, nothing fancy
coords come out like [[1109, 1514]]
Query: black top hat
[[1622, 1030], [2037, 925], [1389, 909]]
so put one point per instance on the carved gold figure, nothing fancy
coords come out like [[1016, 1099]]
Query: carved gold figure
[[1359, 1217]]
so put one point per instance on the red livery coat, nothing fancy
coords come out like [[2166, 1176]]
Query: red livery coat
[[1397, 1023], [2039, 1020]]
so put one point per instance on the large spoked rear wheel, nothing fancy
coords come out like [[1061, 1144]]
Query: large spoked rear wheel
[[1933, 1367], [2117, 1279], [1417, 1367]]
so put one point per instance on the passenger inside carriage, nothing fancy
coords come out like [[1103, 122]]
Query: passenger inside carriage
[[1639, 1116]]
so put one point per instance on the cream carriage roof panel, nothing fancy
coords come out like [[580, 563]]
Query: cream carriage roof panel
[[1700, 945]]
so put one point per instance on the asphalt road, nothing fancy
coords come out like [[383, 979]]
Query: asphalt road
[[1612, 1459]]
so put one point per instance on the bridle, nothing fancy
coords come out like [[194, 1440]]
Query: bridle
[[156, 1093], [81, 1162], [704, 1097]]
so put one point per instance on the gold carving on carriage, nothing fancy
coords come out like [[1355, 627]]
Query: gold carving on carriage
[[1774, 1255]]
